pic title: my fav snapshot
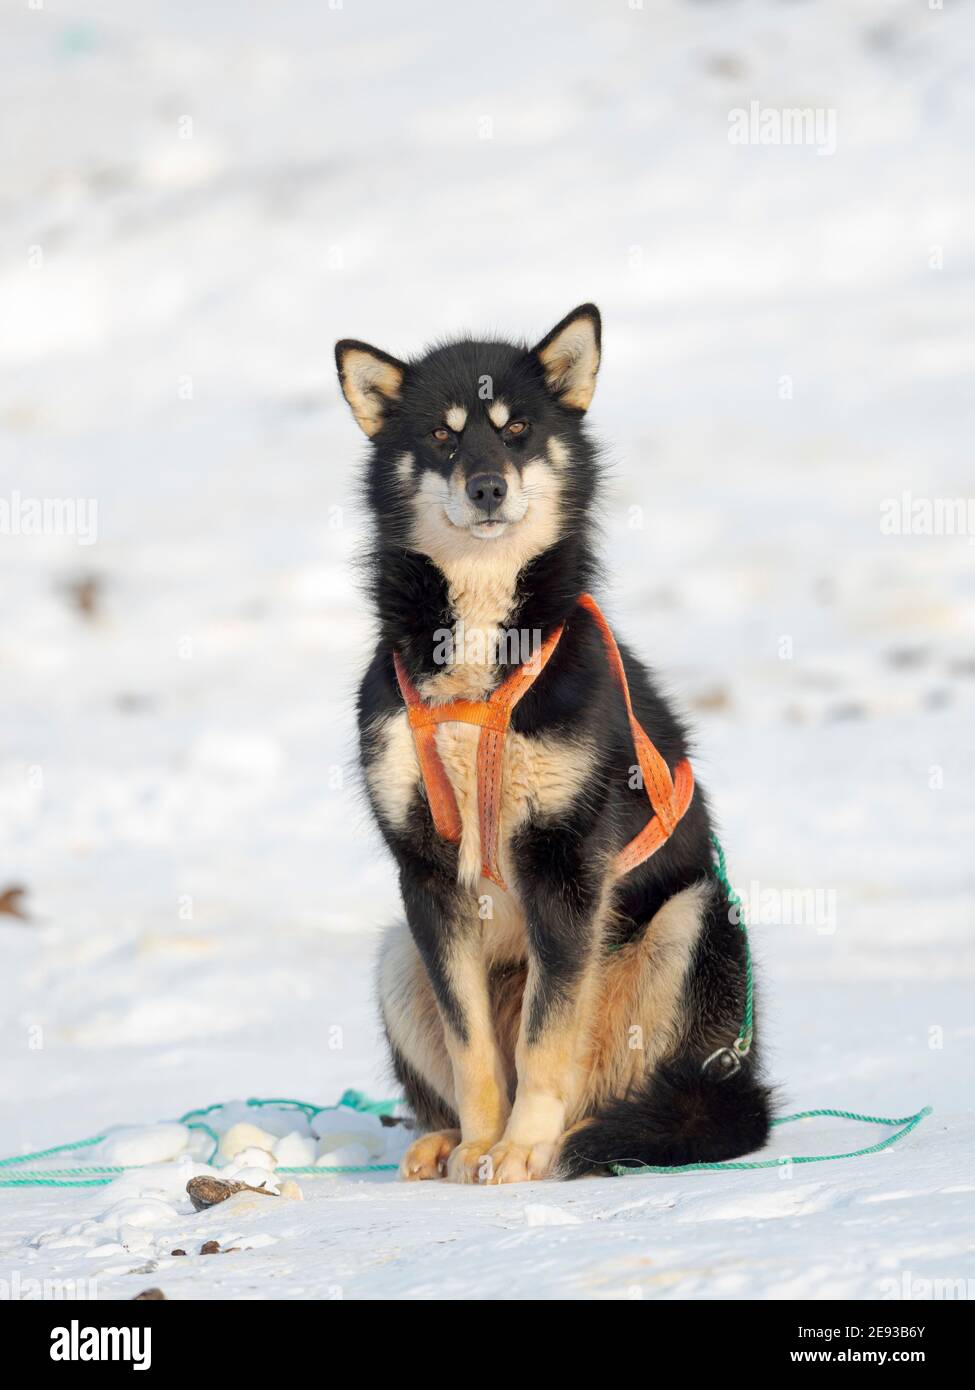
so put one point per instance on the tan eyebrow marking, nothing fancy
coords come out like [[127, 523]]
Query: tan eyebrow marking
[[500, 413], [456, 417]]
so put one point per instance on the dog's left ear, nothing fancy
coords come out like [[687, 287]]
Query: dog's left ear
[[371, 381], [570, 356]]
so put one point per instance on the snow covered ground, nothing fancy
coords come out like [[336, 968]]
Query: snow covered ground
[[197, 200]]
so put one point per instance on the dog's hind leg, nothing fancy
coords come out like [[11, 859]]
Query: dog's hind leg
[[668, 1001]]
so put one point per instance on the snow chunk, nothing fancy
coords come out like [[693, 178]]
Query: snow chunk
[[138, 1144], [136, 1211], [371, 1139], [295, 1150], [342, 1119], [245, 1136], [251, 1158], [351, 1155]]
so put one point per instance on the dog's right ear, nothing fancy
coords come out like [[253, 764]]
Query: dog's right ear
[[371, 381]]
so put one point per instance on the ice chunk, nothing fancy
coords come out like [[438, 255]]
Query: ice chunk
[[245, 1136], [144, 1144], [349, 1155], [372, 1139], [295, 1150]]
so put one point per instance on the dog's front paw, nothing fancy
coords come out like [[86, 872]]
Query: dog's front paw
[[470, 1161], [427, 1156], [508, 1162]]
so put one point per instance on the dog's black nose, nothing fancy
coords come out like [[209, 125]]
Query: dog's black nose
[[487, 490]]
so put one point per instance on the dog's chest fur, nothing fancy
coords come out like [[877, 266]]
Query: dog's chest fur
[[481, 600], [541, 776]]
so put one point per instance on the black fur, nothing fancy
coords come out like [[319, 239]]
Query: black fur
[[677, 1115], [427, 1107]]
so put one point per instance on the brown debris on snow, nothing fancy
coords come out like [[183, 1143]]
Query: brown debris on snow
[[206, 1192], [11, 902]]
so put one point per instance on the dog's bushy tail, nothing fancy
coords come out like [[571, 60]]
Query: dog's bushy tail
[[678, 1115]]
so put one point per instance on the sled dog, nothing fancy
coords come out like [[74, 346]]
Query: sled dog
[[568, 984]]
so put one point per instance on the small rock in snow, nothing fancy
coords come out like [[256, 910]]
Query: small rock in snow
[[206, 1191]]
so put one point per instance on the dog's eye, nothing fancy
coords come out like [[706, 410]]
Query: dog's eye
[[516, 427], [441, 435]]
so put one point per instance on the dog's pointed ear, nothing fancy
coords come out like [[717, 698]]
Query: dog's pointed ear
[[371, 381], [570, 356]]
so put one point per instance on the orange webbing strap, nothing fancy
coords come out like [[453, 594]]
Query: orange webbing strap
[[490, 754], [493, 717], [440, 793], [669, 796]]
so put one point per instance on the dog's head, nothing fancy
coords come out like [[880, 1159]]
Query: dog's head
[[478, 444]]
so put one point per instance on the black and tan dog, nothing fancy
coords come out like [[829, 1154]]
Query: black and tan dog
[[570, 977]]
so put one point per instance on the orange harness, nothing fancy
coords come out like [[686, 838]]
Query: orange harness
[[669, 796]]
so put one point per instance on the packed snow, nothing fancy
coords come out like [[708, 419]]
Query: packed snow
[[198, 200]]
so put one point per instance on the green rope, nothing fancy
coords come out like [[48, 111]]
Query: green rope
[[100, 1176], [355, 1100], [36, 1180], [909, 1122], [47, 1153]]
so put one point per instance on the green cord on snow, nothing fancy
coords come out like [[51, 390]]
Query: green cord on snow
[[909, 1122], [92, 1176], [355, 1100]]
